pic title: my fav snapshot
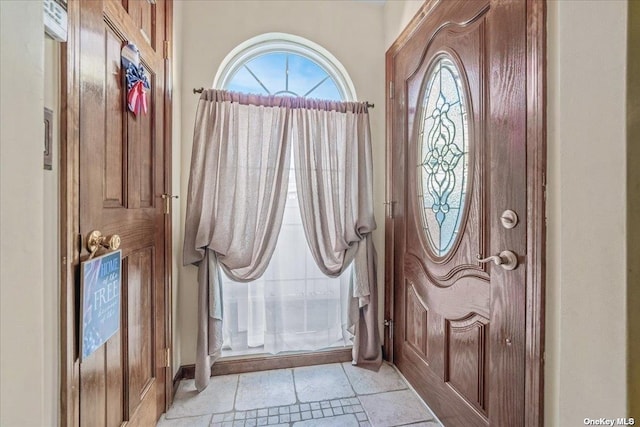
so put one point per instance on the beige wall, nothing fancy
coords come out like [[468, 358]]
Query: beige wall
[[51, 247], [633, 207], [25, 395], [351, 32], [586, 255], [397, 14], [176, 164]]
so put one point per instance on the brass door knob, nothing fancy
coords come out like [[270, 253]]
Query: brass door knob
[[96, 240]]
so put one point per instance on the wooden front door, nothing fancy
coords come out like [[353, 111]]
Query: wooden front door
[[458, 164], [122, 173]]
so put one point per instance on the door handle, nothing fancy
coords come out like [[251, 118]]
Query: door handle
[[506, 259], [96, 240]]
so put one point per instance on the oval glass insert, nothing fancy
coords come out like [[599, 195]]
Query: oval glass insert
[[443, 156]]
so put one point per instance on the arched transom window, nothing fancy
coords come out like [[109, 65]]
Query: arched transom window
[[285, 65]]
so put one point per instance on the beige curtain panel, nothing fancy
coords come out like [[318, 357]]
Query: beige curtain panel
[[334, 175], [237, 189]]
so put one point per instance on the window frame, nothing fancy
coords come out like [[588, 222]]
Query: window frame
[[285, 43]]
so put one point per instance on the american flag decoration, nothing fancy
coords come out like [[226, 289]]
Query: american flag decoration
[[137, 81]]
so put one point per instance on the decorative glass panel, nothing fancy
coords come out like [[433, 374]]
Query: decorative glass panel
[[443, 153]]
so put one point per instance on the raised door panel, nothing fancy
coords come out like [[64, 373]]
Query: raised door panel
[[416, 322], [93, 398], [147, 21], [115, 142], [141, 152], [466, 358], [147, 18], [144, 16], [140, 326], [147, 155], [114, 361]]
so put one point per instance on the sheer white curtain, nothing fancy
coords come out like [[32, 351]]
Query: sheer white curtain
[[294, 306]]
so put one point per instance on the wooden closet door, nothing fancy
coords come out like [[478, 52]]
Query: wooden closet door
[[122, 174]]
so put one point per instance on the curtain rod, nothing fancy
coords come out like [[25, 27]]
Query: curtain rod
[[200, 90]]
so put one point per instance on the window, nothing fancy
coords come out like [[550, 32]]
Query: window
[[283, 64], [293, 306], [284, 74]]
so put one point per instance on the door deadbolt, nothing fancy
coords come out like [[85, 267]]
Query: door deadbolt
[[509, 219]]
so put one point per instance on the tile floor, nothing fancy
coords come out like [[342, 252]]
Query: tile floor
[[334, 395]]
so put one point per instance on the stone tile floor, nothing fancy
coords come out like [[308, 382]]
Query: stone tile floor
[[334, 395]]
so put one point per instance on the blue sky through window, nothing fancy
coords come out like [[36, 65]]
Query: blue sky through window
[[284, 74]]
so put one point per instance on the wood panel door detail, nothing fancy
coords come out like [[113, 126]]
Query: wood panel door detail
[[457, 161], [122, 171]]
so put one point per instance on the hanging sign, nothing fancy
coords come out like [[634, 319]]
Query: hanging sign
[[137, 82], [100, 293]]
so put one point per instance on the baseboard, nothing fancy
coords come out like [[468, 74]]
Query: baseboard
[[264, 363], [176, 380]]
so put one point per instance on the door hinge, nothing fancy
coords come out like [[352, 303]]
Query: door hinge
[[390, 89], [167, 358], [389, 324], [166, 49], [167, 202], [389, 205]]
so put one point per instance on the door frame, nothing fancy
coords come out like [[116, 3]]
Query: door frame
[[71, 241], [536, 180]]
